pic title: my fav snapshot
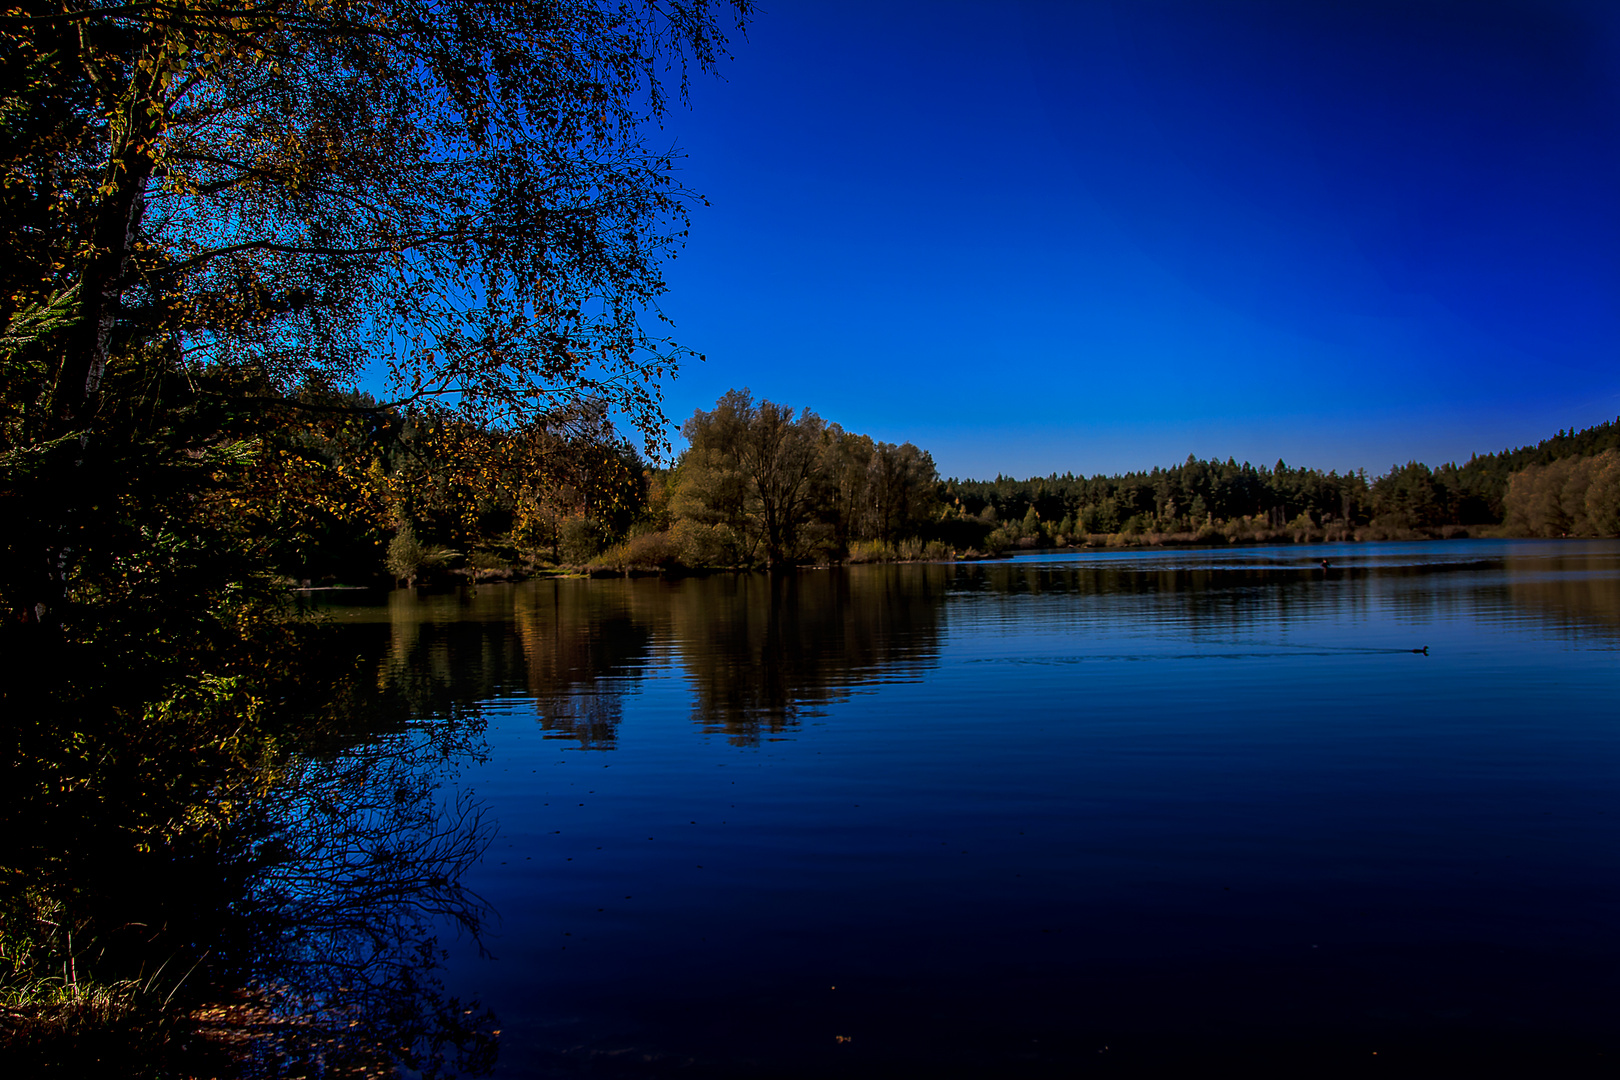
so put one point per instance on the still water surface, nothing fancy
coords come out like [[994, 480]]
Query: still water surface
[[1109, 810]]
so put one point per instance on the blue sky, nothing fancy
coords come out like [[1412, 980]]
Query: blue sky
[[1098, 236]]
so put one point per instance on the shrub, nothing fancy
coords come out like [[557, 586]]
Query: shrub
[[1304, 529], [697, 544], [615, 558], [1239, 528], [580, 539], [649, 551], [818, 543], [488, 564], [870, 551], [654, 550], [404, 554], [409, 558]]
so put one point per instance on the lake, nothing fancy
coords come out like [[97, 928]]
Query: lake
[[1104, 811]]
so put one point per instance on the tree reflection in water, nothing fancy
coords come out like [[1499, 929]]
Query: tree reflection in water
[[584, 644], [1579, 594], [760, 652], [752, 655], [357, 854]]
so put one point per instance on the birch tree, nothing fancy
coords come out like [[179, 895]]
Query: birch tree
[[241, 204]]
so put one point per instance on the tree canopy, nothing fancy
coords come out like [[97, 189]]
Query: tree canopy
[[215, 218], [761, 484], [290, 190]]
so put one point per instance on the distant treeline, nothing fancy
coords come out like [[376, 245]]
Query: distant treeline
[[1244, 499], [853, 499], [761, 484]]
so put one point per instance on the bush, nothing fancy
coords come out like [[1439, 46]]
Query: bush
[[654, 550], [698, 545], [580, 540], [488, 564], [404, 554], [409, 558], [649, 551], [818, 543], [1304, 529], [870, 551], [1239, 529], [615, 558], [912, 550]]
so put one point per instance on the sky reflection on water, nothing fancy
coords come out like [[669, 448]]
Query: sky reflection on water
[[1186, 805]]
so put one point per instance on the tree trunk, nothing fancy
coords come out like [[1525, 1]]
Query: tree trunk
[[101, 293]]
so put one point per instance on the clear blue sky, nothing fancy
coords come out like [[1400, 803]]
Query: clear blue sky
[[1097, 236]]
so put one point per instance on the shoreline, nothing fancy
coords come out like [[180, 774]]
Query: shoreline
[[1148, 541]]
